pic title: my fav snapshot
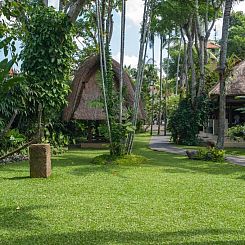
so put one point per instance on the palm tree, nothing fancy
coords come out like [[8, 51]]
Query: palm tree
[[223, 53]]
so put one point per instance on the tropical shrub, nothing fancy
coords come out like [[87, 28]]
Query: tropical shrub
[[210, 154], [237, 132], [185, 121], [12, 140]]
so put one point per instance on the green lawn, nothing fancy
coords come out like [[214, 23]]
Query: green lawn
[[169, 200]]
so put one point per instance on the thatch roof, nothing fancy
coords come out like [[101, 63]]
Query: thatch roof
[[85, 90], [213, 45], [235, 84]]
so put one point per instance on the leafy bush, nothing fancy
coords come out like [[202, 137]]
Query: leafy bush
[[210, 154], [119, 160], [57, 140], [119, 135], [237, 132], [12, 140], [185, 121]]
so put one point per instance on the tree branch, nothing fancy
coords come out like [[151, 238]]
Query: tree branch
[[2, 134], [75, 8]]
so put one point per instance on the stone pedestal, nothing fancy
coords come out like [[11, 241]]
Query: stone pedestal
[[40, 160]]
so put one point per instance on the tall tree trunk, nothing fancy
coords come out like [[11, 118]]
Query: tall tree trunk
[[200, 49], [178, 67], [103, 66], [208, 29], [223, 54], [166, 90], [153, 84], [45, 2], [122, 60], [75, 8], [184, 72], [161, 88], [201, 66], [140, 68], [109, 23], [191, 63]]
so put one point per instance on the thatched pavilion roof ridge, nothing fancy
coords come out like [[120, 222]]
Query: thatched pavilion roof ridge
[[85, 89], [235, 84]]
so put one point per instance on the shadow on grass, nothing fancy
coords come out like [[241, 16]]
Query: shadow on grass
[[102, 237], [173, 163], [18, 178], [76, 158], [21, 218], [170, 163], [114, 170], [180, 164]]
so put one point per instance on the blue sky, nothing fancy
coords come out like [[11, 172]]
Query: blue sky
[[133, 20]]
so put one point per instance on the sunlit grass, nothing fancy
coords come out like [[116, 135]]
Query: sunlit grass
[[167, 200]]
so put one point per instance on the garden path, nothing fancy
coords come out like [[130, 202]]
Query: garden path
[[162, 143]]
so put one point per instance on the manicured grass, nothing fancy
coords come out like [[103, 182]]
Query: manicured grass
[[168, 200], [228, 151]]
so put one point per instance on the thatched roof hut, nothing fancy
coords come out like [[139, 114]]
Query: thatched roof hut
[[213, 45], [86, 89], [235, 84]]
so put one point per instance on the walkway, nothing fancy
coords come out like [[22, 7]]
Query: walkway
[[162, 143]]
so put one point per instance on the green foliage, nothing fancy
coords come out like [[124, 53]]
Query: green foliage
[[47, 56], [10, 99], [210, 154], [119, 135], [172, 103], [185, 121], [236, 41], [237, 132], [150, 77], [57, 140], [119, 160], [11, 141]]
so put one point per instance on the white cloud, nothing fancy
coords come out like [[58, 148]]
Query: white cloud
[[129, 60], [134, 11]]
